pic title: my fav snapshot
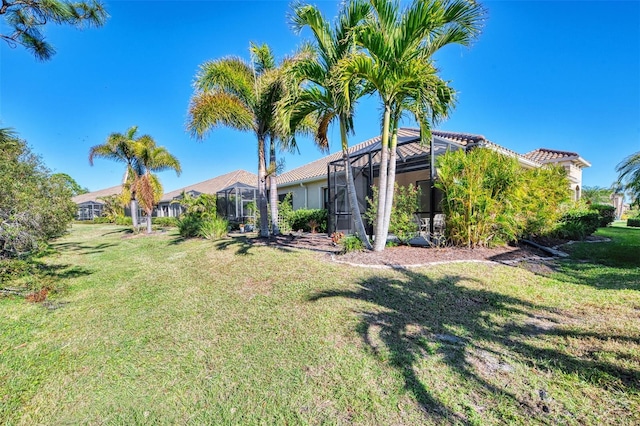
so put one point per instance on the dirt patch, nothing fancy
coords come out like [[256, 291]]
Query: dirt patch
[[401, 255]]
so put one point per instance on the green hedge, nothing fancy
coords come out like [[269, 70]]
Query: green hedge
[[635, 223], [301, 219], [164, 221], [606, 212], [577, 224]]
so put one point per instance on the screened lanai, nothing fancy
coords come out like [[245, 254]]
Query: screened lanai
[[236, 203], [414, 166]]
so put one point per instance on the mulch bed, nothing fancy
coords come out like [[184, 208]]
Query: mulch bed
[[401, 255]]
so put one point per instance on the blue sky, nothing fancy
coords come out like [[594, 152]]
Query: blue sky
[[554, 74]]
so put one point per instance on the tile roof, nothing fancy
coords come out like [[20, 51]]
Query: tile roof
[[93, 196], [545, 155], [318, 168], [214, 185]]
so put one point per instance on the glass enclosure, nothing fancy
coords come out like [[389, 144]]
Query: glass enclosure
[[237, 203], [413, 167]]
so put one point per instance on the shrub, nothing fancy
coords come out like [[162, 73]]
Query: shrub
[[302, 218], [635, 223], [189, 225], [165, 221], [480, 201], [606, 212], [124, 221], [402, 223], [34, 206], [102, 220], [351, 243], [213, 228], [577, 224], [545, 191]]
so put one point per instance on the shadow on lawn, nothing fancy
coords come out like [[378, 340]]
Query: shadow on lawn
[[417, 317], [82, 248]]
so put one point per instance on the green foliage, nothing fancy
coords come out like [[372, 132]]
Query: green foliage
[[25, 21], [480, 199], [406, 201], [70, 183], [635, 223], [165, 221], [285, 214], [351, 243], [112, 207], [213, 228], [34, 207], [596, 194], [544, 192], [304, 218], [577, 223], [200, 218], [606, 212], [124, 221]]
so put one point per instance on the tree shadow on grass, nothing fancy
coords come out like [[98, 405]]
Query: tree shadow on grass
[[82, 248], [416, 317]]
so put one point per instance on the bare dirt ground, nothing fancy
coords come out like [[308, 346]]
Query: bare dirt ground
[[402, 255]]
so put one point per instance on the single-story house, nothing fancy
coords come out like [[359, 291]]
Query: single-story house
[[167, 207], [90, 205], [321, 184]]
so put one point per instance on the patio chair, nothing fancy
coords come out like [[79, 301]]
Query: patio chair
[[423, 224]]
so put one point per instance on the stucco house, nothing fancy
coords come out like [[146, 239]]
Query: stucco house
[[320, 184], [90, 205]]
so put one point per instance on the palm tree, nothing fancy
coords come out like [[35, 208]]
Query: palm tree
[[395, 59], [120, 147], [629, 176], [234, 93], [152, 159], [323, 98], [142, 157]]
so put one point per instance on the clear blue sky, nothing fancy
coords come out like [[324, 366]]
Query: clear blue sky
[[554, 74]]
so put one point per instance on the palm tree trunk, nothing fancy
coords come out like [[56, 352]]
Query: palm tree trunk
[[351, 188], [149, 213], [262, 189], [134, 211], [391, 178], [381, 237], [273, 187]]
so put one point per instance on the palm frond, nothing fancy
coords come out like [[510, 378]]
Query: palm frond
[[213, 109]]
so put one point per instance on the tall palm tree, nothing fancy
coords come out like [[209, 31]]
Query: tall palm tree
[[152, 159], [234, 93], [395, 59], [322, 98], [120, 147], [629, 176]]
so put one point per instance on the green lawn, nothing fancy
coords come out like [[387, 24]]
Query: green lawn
[[157, 330]]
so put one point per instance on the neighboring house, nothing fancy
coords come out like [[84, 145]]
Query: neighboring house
[[320, 184], [571, 161], [90, 204], [169, 205]]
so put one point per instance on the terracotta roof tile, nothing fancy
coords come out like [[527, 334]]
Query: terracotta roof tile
[[544, 155], [214, 185]]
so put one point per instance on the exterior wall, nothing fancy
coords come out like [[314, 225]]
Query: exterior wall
[[309, 196], [574, 174]]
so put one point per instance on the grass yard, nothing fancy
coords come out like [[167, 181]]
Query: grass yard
[[157, 330]]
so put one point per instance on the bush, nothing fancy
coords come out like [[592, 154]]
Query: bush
[[102, 220], [577, 224], [406, 201], [635, 223], [304, 218], [34, 206], [124, 221], [165, 221], [606, 212], [213, 228], [189, 226], [545, 191], [351, 243], [480, 197]]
